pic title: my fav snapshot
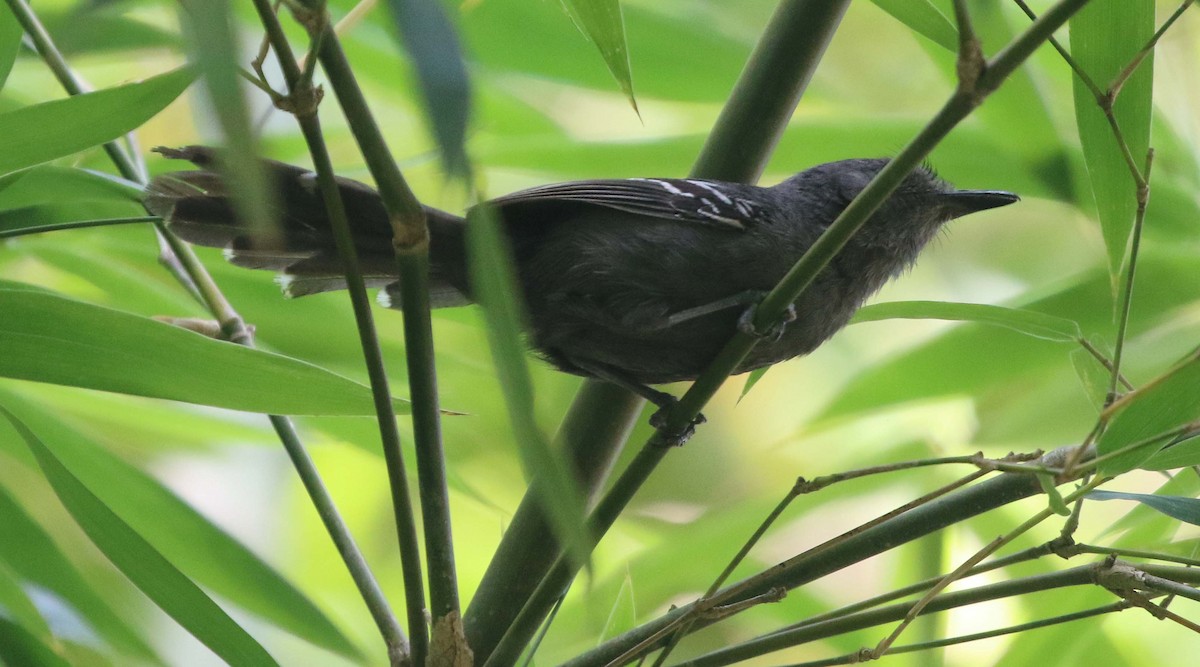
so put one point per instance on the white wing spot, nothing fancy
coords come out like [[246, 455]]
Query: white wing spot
[[713, 189], [668, 187]]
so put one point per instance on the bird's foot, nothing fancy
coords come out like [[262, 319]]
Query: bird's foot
[[673, 437], [774, 332]]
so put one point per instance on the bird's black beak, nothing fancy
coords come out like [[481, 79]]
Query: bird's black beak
[[964, 202]]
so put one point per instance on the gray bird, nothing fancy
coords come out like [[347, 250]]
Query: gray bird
[[637, 281]]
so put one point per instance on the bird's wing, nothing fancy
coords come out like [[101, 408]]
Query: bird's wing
[[717, 203]]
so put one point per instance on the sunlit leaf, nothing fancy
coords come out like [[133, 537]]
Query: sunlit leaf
[[1032, 323], [16, 605], [200, 550], [10, 44], [41, 132], [1179, 455], [52, 339], [433, 46], [174, 593], [603, 24], [1105, 36], [924, 19], [1152, 412], [33, 555]]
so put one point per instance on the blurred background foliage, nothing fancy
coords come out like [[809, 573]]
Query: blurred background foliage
[[191, 478]]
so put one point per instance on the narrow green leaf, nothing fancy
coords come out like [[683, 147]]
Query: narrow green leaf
[[48, 197], [20, 647], [16, 605], [48, 183], [1176, 507], [33, 555], [10, 44], [174, 593], [494, 279], [602, 22], [752, 379], [214, 48], [1153, 411], [433, 46], [924, 19], [1038, 325], [49, 338], [1105, 36], [201, 550], [1179, 455], [35, 134]]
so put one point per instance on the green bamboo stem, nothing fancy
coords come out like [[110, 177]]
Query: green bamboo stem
[[411, 241], [748, 128], [304, 105], [592, 433], [194, 276], [737, 149]]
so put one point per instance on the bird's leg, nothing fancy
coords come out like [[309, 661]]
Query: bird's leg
[[746, 322], [662, 399]]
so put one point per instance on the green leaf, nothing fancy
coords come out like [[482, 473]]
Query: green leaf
[[15, 604], [924, 19], [48, 197], [41, 132], [19, 647], [752, 379], [494, 279], [214, 49], [200, 550], [1038, 325], [1105, 36], [33, 555], [603, 24], [1150, 415], [433, 46], [48, 338], [10, 44], [47, 184], [1179, 455], [1176, 507], [174, 593]]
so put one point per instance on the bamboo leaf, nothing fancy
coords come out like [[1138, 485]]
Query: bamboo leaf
[[1176, 507], [10, 44], [924, 19], [174, 593], [433, 46], [19, 647], [1105, 36], [601, 21], [1178, 455], [49, 338], [1038, 325], [1154, 411], [35, 134], [201, 550], [494, 280], [32, 554]]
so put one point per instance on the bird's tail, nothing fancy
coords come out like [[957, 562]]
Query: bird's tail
[[196, 205]]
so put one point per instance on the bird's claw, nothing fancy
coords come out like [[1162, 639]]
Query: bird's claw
[[659, 421], [774, 332]]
